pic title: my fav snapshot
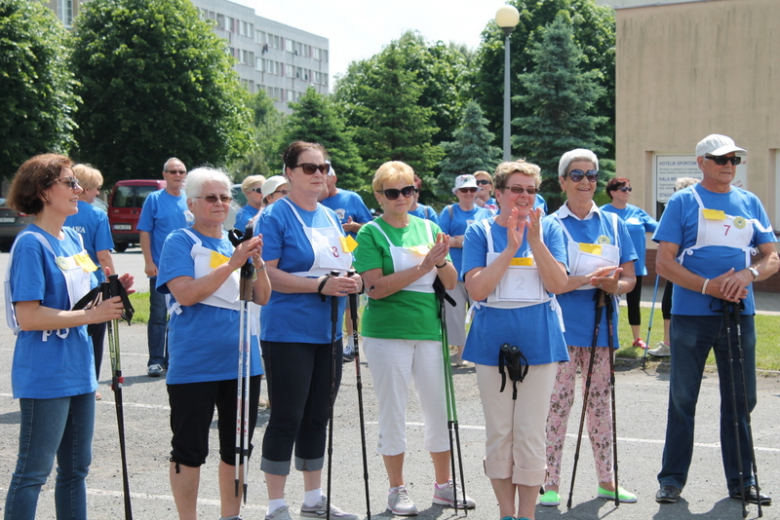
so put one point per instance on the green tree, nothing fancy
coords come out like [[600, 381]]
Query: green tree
[[384, 107], [594, 33], [562, 100], [268, 127], [471, 151], [155, 82], [316, 118], [36, 85]]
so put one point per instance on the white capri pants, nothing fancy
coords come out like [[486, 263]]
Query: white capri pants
[[394, 363], [456, 316], [516, 429]]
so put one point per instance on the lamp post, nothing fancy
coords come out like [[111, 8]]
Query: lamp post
[[507, 18]]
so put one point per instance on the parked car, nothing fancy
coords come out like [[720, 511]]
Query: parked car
[[124, 209], [11, 224]]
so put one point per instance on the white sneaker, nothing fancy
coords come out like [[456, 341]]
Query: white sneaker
[[399, 503], [283, 513], [319, 510], [662, 350], [447, 496]]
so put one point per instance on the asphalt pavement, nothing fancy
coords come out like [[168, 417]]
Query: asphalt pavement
[[641, 420]]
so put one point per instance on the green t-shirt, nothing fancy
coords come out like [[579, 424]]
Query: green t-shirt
[[405, 314]]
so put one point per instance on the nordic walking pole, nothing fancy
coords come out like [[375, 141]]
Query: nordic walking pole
[[726, 311], [599, 298], [449, 390], [355, 336], [650, 324], [611, 343], [738, 324], [117, 380], [334, 320]]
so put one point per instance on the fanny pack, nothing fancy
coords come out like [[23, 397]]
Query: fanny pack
[[512, 360]]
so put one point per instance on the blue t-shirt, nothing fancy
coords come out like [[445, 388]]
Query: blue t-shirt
[[456, 225], [56, 366], [161, 215], [579, 307], [425, 212], [92, 225], [680, 225], [297, 317], [540, 203], [348, 204], [202, 339], [535, 329], [639, 223], [244, 215]]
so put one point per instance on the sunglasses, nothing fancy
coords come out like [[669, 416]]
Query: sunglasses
[[483, 182], [392, 193], [176, 172], [518, 190], [213, 199], [72, 182], [721, 161], [625, 189], [283, 192], [311, 168], [257, 190], [468, 190], [578, 175]]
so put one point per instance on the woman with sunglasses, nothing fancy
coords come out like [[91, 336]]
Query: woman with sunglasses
[[53, 368], [638, 223], [274, 189], [454, 219], [399, 258], [199, 269], [515, 249], [303, 243], [600, 257], [252, 187]]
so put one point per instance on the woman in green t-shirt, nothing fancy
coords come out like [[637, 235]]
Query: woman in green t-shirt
[[399, 256]]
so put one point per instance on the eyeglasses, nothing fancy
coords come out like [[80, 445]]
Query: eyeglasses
[[176, 172], [72, 182], [283, 192], [578, 175], [483, 182], [721, 161], [468, 190], [392, 193], [213, 199], [625, 189], [311, 168], [518, 190]]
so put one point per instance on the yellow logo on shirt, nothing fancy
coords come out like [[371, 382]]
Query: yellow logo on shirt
[[217, 260], [526, 261], [86, 263], [714, 214], [593, 249]]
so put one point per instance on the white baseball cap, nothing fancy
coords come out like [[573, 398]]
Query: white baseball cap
[[717, 145], [272, 183]]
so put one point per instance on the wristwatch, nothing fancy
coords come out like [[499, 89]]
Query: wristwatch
[[753, 271]]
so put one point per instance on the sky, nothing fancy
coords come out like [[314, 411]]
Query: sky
[[358, 29]]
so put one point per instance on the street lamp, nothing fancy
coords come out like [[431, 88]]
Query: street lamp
[[507, 18]]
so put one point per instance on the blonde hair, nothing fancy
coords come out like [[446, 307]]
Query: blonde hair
[[89, 177], [684, 182], [249, 183], [484, 174], [507, 169], [391, 172]]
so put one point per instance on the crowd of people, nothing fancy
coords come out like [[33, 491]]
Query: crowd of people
[[534, 301]]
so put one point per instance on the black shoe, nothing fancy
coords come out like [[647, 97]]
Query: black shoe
[[668, 494], [752, 496]]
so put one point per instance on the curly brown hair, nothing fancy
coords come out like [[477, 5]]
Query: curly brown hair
[[32, 179]]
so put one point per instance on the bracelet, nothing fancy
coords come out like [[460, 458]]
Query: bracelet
[[442, 266], [704, 286], [260, 269], [322, 285], [618, 289]]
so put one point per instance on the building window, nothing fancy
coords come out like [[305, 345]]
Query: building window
[[259, 62], [317, 55], [289, 70], [324, 55], [221, 21]]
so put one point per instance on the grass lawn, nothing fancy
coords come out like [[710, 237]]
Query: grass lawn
[[767, 332]]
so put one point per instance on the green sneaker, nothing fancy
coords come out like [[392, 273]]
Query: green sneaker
[[625, 497], [550, 499]]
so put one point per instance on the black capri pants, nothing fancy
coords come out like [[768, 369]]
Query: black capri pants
[[666, 301], [298, 378], [192, 411], [632, 300]]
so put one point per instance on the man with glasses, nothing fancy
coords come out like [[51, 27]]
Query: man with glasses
[[163, 212], [708, 240]]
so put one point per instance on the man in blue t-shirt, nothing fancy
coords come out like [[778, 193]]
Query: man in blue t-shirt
[[715, 240], [163, 212]]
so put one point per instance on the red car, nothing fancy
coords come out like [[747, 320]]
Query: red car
[[124, 209]]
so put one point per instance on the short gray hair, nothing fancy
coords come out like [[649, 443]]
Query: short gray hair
[[171, 159], [579, 154], [198, 177]]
